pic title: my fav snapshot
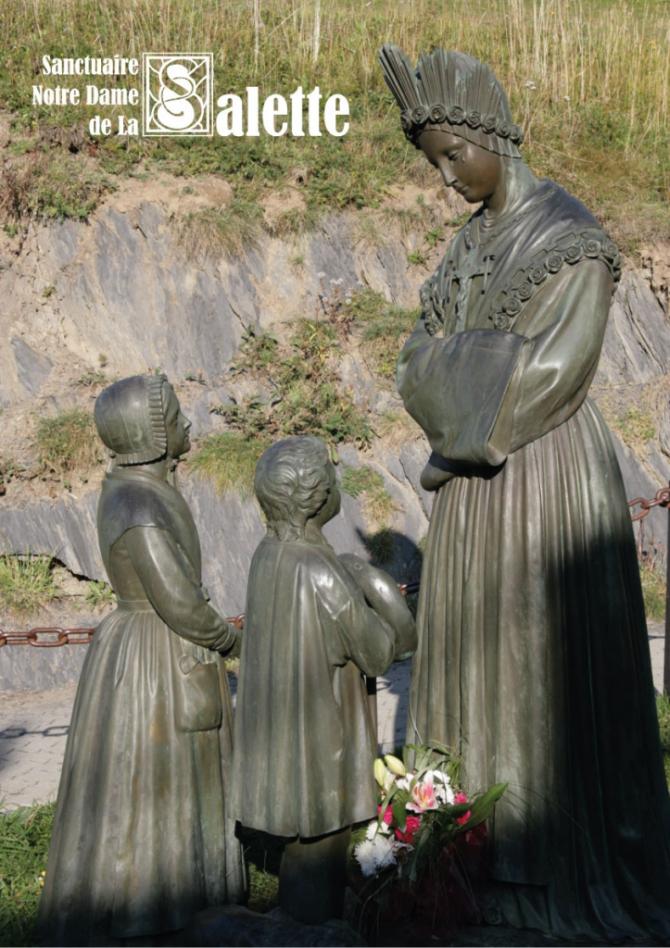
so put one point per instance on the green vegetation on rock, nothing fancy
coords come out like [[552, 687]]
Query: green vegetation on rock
[[99, 593], [231, 229], [384, 327], [229, 460], [368, 484], [68, 443], [635, 426], [299, 393], [26, 582]]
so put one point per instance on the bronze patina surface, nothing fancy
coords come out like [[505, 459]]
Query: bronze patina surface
[[143, 836], [314, 623], [533, 658]]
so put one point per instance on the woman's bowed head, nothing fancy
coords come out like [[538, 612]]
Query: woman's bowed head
[[140, 420], [455, 111]]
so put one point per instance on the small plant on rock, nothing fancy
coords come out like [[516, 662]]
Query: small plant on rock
[[99, 594], [68, 443], [229, 460], [26, 582]]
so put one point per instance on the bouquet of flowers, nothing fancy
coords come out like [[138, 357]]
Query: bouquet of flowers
[[428, 837]]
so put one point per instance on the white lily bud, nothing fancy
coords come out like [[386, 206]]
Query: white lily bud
[[381, 773], [395, 765]]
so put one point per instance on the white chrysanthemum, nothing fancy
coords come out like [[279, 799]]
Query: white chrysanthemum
[[375, 854]]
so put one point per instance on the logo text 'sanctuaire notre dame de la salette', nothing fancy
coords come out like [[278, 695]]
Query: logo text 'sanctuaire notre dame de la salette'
[[177, 97]]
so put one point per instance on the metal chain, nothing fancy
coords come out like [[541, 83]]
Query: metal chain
[[662, 499], [47, 637], [42, 637]]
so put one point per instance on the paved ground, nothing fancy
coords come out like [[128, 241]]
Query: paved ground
[[34, 726]]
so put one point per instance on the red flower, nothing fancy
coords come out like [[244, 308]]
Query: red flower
[[388, 814], [461, 797], [411, 826]]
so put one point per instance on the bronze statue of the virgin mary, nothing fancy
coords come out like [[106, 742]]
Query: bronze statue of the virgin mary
[[533, 658]]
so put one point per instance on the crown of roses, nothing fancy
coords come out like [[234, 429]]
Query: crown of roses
[[455, 90]]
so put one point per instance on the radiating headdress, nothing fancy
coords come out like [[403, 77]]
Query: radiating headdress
[[130, 418], [453, 90]]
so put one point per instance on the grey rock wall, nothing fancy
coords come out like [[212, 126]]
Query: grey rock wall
[[127, 286]]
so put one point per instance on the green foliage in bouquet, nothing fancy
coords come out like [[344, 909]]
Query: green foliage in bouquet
[[425, 847]]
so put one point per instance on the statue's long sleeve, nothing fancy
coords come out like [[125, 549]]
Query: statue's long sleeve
[[165, 575], [366, 639], [481, 394]]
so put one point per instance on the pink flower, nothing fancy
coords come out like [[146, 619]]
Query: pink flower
[[461, 797], [412, 823], [423, 796]]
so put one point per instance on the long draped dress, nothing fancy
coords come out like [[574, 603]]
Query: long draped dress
[[142, 837], [533, 658], [302, 713]]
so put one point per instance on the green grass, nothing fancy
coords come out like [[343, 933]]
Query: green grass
[[635, 426], [300, 393], [588, 80], [229, 460], [663, 710], [24, 842], [92, 379], [43, 188], [26, 582], [384, 327], [368, 485], [305, 398], [99, 593], [229, 230], [67, 443], [653, 590]]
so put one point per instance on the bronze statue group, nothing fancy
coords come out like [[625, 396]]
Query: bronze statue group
[[532, 659]]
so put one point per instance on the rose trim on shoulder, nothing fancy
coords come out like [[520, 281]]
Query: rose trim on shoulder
[[570, 249]]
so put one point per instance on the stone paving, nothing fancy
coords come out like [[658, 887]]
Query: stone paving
[[34, 726]]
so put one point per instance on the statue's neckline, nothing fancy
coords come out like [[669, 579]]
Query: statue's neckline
[[128, 473], [486, 232]]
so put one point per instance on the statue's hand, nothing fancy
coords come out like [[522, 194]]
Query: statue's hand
[[436, 472], [233, 645], [382, 594]]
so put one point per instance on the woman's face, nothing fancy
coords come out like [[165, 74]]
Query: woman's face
[[177, 425], [473, 171]]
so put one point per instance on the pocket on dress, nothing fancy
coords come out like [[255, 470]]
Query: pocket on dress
[[197, 695]]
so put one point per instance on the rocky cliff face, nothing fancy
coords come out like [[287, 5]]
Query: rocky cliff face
[[127, 290]]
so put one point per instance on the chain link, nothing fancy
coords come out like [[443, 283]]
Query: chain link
[[662, 499], [43, 637]]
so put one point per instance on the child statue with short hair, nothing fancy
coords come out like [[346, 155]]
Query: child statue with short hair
[[314, 622]]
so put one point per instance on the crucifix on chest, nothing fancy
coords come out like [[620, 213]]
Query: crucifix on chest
[[470, 270]]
